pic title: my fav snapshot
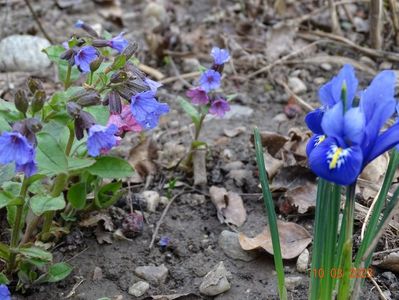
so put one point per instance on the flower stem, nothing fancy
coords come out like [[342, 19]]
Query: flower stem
[[17, 224], [70, 140], [67, 82], [198, 126], [346, 256]]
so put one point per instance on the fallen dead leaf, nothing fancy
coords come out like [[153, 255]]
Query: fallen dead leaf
[[229, 205], [142, 157], [302, 198], [389, 261], [293, 240], [375, 170], [234, 132], [298, 139], [272, 164], [103, 236], [272, 141], [95, 219]]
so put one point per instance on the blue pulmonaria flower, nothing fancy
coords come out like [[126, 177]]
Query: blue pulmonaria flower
[[4, 292], [79, 24], [119, 43], [153, 85], [101, 139], [347, 136], [84, 57], [146, 109], [14, 147], [210, 80], [220, 56], [28, 169]]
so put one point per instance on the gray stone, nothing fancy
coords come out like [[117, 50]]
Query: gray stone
[[319, 80], [215, 282], [385, 65], [297, 85], [230, 245], [238, 111], [361, 25], [23, 53], [153, 274], [191, 64], [139, 288], [152, 200], [326, 66], [303, 261], [292, 282], [234, 165]]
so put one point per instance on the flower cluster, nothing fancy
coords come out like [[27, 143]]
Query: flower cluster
[[210, 80], [130, 95], [347, 130]]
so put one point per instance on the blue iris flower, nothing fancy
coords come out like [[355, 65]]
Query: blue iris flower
[[119, 43], [101, 139], [146, 109], [84, 57], [220, 56], [4, 292], [210, 80], [346, 136]]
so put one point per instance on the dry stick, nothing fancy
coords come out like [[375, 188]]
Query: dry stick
[[301, 102], [377, 287], [185, 82], [151, 71], [368, 51], [336, 29], [279, 61], [182, 76], [154, 235], [395, 18], [385, 251], [38, 21], [376, 9]]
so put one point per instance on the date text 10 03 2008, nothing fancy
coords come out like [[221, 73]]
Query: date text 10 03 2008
[[339, 273]]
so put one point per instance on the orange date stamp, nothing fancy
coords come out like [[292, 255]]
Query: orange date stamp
[[338, 273]]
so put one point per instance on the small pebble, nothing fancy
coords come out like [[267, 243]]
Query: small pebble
[[326, 67], [139, 288], [215, 282], [303, 261], [297, 85]]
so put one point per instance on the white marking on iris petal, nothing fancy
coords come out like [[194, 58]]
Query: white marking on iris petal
[[336, 162], [319, 139]]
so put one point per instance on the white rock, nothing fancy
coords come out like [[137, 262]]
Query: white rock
[[215, 282], [292, 282], [139, 288], [152, 199], [297, 85], [153, 274], [230, 245], [23, 53], [385, 65], [303, 261], [319, 80], [326, 66]]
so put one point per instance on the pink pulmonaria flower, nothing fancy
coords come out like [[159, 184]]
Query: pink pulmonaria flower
[[124, 121], [198, 96], [219, 107]]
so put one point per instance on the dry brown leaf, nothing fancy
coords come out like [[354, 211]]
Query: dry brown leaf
[[234, 132], [389, 261], [375, 171], [95, 219], [142, 157], [229, 205], [303, 197], [298, 139], [272, 141], [103, 236], [293, 240], [272, 164]]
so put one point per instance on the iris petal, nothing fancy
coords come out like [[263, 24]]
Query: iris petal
[[333, 121], [313, 142], [355, 123], [335, 164], [385, 141], [313, 120]]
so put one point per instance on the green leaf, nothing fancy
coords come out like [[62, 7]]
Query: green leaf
[[190, 110], [100, 113], [4, 279], [77, 195], [8, 111], [58, 131], [5, 198], [119, 62], [42, 203], [6, 173], [50, 156], [58, 272], [4, 251], [75, 163], [108, 194], [4, 125], [35, 252], [111, 167]]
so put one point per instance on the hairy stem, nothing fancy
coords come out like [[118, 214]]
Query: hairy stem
[[67, 82], [198, 127]]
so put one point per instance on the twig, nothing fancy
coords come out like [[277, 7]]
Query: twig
[[154, 235], [377, 287], [368, 51], [385, 251], [336, 29], [376, 10], [182, 76], [279, 61], [301, 102], [395, 18], [151, 71], [73, 291], [38, 22], [185, 82]]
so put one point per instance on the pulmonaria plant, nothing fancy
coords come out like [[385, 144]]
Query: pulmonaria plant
[[55, 149], [206, 96]]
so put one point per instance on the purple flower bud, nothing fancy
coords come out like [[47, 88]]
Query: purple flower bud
[[99, 43], [82, 25], [84, 57], [73, 109], [210, 80], [95, 64], [118, 43], [89, 98], [4, 292], [101, 139], [219, 107], [34, 85], [164, 242], [38, 100], [21, 101], [115, 103], [118, 77], [83, 122], [130, 50], [133, 225], [198, 96]]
